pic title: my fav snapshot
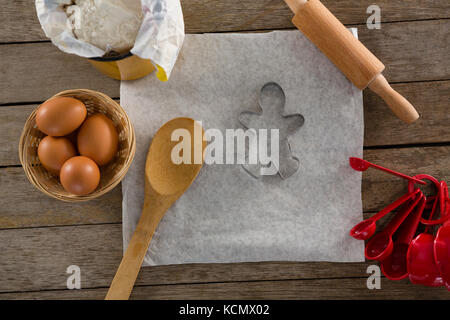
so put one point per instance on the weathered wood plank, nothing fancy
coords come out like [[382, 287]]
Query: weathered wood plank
[[36, 71], [382, 128], [380, 189], [22, 205], [236, 15], [97, 250], [37, 210], [44, 70], [431, 99], [352, 289], [412, 51], [19, 23], [12, 121]]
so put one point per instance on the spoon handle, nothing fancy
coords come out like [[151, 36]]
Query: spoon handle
[[408, 229], [394, 205], [398, 174], [126, 275], [400, 216]]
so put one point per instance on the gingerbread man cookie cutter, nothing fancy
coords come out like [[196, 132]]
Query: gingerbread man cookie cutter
[[271, 115]]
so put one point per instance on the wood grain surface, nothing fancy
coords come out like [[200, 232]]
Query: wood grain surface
[[40, 237], [97, 251], [18, 22], [37, 210], [288, 289], [430, 129], [425, 58]]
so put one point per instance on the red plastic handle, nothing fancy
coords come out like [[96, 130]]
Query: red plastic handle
[[394, 205], [443, 199], [409, 227], [398, 219], [398, 174]]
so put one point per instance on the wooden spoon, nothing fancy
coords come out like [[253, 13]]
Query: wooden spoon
[[165, 182]]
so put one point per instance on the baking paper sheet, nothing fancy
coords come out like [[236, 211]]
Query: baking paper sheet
[[227, 215]]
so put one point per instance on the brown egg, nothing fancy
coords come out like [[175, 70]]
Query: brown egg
[[80, 175], [60, 116], [98, 139], [54, 151]]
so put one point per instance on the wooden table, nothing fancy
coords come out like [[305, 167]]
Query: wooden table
[[40, 237]]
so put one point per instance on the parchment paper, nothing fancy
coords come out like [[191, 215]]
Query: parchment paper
[[227, 215]]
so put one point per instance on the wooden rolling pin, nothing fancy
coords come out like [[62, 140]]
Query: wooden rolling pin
[[359, 65]]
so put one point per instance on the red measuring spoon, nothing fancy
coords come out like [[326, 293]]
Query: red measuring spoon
[[381, 245], [362, 165], [442, 197], [394, 266], [366, 228], [421, 263], [442, 244]]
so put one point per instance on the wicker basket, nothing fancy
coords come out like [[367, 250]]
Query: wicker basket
[[111, 174]]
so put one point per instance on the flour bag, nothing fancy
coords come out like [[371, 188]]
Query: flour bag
[[149, 29]]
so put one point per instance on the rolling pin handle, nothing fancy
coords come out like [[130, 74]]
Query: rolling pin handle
[[359, 65], [401, 107]]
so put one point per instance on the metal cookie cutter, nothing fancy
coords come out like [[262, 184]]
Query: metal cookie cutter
[[271, 116]]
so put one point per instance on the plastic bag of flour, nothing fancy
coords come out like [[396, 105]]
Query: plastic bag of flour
[[149, 29]]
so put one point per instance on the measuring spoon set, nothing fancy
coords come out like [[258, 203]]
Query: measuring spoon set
[[407, 246]]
